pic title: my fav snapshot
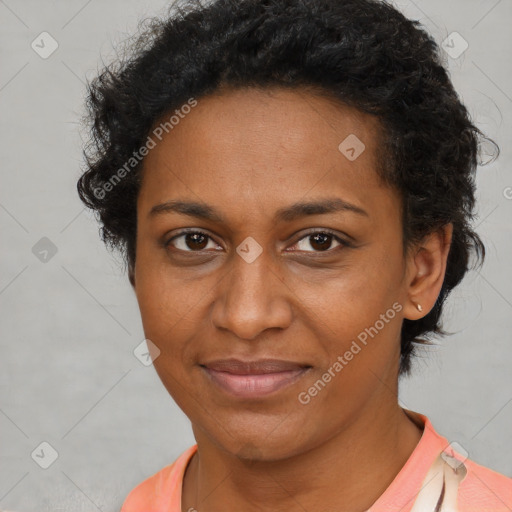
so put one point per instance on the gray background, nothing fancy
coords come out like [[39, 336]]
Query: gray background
[[70, 324]]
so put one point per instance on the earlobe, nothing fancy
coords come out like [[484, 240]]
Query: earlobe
[[428, 262]]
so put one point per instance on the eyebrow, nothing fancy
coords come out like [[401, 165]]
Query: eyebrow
[[286, 214]]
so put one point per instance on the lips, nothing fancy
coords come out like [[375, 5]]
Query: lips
[[253, 379]]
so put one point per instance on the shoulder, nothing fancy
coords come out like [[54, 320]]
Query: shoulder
[[481, 489], [484, 490], [161, 490]]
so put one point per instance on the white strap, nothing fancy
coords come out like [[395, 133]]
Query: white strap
[[440, 488]]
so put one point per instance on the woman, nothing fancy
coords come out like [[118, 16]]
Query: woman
[[292, 185]]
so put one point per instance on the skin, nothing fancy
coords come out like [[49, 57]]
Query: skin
[[248, 153]]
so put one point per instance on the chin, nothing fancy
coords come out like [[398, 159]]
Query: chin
[[260, 441]]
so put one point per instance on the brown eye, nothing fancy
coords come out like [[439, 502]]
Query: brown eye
[[320, 241], [190, 241]]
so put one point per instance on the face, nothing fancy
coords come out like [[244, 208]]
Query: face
[[278, 324]]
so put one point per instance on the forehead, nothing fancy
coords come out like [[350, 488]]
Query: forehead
[[254, 149]]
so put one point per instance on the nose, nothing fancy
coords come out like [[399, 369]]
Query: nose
[[251, 298]]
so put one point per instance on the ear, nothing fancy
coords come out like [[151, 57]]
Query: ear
[[426, 267]]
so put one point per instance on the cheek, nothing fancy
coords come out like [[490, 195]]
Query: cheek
[[356, 316], [167, 318], [353, 298], [163, 297], [174, 315]]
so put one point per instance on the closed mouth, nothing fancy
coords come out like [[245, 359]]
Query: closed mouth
[[253, 379]]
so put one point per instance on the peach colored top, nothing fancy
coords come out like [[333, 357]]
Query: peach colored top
[[480, 489]]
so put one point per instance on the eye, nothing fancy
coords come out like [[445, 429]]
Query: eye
[[190, 241], [320, 241], [198, 241]]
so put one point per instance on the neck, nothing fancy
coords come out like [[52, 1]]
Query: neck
[[353, 468]]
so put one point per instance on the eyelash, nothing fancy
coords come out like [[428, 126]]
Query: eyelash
[[341, 241]]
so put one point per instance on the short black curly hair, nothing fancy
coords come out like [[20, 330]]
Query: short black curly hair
[[362, 53]]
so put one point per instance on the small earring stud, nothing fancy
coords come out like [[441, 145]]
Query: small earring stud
[[418, 306]]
